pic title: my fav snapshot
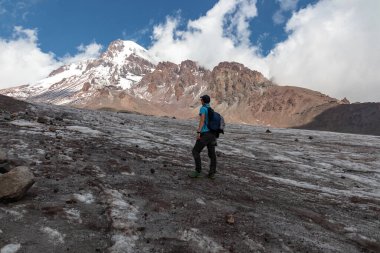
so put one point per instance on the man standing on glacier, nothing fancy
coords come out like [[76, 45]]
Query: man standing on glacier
[[205, 137]]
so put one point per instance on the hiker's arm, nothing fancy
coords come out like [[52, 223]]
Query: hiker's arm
[[201, 123]]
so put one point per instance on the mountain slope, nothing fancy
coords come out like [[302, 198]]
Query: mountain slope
[[125, 77], [122, 65]]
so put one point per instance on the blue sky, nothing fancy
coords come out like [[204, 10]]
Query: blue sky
[[331, 46], [63, 25]]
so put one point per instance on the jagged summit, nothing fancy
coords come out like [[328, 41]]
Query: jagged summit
[[119, 50]]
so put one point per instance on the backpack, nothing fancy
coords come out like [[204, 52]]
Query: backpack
[[215, 122]]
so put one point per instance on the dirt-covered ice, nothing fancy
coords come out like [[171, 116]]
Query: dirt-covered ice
[[117, 182]]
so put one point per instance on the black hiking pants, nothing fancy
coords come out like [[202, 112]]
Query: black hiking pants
[[207, 139]]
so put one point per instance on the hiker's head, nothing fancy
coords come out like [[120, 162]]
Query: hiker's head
[[205, 99]]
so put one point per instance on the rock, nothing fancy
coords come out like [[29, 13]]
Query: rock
[[42, 120], [48, 156], [3, 156], [6, 116], [58, 118], [15, 184], [230, 219], [268, 131]]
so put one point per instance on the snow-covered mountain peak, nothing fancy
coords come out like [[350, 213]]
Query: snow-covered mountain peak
[[119, 50], [120, 67]]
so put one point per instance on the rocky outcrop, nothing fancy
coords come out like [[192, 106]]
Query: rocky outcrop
[[15, 184], [172, 83], [230, 82]]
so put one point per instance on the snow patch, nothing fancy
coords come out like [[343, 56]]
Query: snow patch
[[84, 130], [25, 123], [73, 214], [128, 173], [123, 216], [55, 236], [204, 242], [15, 214], [86, 198], [200, 201], [10, 248], [123, 244]]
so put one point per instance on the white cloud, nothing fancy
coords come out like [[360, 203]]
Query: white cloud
[[288, 5], [85, 52], [220, 35], [285, 6], [22, 61], [333, 46]]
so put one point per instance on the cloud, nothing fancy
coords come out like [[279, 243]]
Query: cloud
[[17, 9], [220, 35], [285, 6], [85, 52], [332, 46], [22, 61]]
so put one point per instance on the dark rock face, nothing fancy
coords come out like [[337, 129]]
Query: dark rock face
[[14, 184], [11, 105], [361, 118]]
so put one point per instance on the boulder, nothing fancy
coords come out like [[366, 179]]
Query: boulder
[[230, 219], [7, 116], [15, 184], [43, 120]]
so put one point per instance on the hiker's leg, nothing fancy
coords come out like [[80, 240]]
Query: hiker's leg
[[212, 155], [198, 147]]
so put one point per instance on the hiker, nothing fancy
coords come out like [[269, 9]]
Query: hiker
[[205, 137]]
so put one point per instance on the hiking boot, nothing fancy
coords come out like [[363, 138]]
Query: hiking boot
[[195, 174], [211, 176]]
